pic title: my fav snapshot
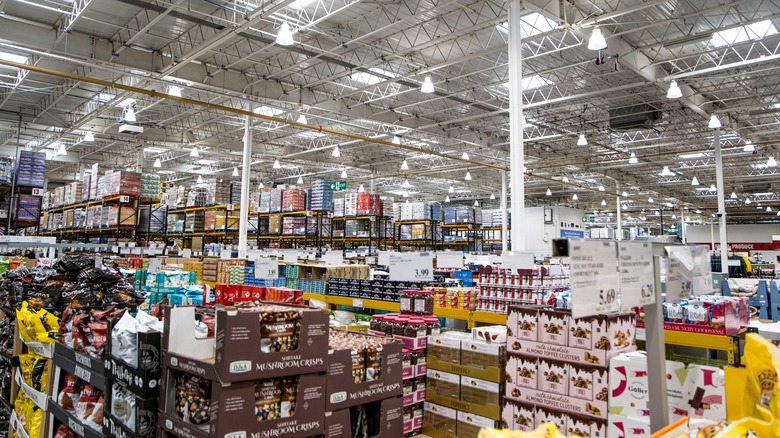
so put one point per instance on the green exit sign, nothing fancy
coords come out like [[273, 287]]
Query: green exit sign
[[338, 186], [589, 219]]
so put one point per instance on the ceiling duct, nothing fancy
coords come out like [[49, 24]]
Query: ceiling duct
[[633, 117]]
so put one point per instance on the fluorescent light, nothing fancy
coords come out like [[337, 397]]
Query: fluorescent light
[[695, 181], [157, 163], [476, 203], [601, 188], [447, 199], [10, 57], [492, 196], [771, 162], [693, 155], [468, 176], [749, 147], [174, 90], [712, 188], [154, 150], [277, 164], [406, 183], [200, 179], [302, 119], [574, 198], [465, 156], [582, 141], [194, 153], [633, 159], [235, 171], [206, 162], [650, 200], [89, 136], [361, 189], [549, 192], [674, 91], [603, 202], [427, 86], [336, 152], [128, 114], [666, 172], [285, 35], [300, 180], [404, 165], [344, 174], [451, 189], [714, 122], [624, 194], [597, 40], [565, 179]]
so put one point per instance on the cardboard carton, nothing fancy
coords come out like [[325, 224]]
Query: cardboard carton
[[390, 422], [518, 416]]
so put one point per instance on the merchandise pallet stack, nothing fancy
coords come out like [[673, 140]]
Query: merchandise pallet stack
[[249, 381], [558, 366]]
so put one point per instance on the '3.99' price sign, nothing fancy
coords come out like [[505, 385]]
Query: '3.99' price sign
[[411, 266]]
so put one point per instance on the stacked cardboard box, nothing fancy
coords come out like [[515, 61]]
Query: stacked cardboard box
[[276, 201], [368, 204], [249, 380], [31, 169], [465, 382], [235, 193], [194, 221], [264, 205], [6, 170], [197, 197], [86, 184], [293, 200], [487, 219], [150, 185], [338, 208], [293, 226], [119, 215], [119, 183], [461, 215], [406, 212], [321, 196], [350, 204], [28, 208], [557, 367]]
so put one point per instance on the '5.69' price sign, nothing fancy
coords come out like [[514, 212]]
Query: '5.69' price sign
[[594, 280]]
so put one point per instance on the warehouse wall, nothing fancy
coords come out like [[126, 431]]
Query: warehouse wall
[[539, 235], [734, 233]]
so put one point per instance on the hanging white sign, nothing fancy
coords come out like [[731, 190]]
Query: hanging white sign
[[449, 260], [637, 277], [411, 266], [688, 272]]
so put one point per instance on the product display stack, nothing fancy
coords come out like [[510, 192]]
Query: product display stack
[[558, 368]]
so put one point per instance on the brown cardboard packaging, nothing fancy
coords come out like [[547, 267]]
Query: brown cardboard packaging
[[232, 412], [234, 355], [338, 423], [343, 392], [274, 224]]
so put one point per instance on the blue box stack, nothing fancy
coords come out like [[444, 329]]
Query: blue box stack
[[249, 277], [320, 196], [31, 169], [235, 192], [435, 209]]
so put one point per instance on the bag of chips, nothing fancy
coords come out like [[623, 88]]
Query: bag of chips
[[64, 432], [35, 371], [123, 405], [95, 419], [88, 402], [69, 395]]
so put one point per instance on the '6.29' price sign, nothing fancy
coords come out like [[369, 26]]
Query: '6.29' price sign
[[594, 280]]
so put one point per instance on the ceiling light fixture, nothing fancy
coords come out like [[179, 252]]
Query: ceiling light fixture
[[200, 179], [674, 91], [601, 188], [406, 183], [633, 159], [261, 185], [650, 200], [549, 192], [128, 114], [303, 120], [748, 201], [698, 211], [447, 199], [406, 194], [404, 165], [451, 189], [492, 196], [174, 90], [427, 86], [597, 40], [476, 203], [61, 150], [468, 176], [465, 156], [565, 179], [157, 163], [285, 35], [768, 209], [89, 136], [603, 202], [771, 162], [277, 164], [336, 152], [396, 139], [361, 189], [733, 195], [624, 194], [714, 122], [574, 198], [712, 188], [344, 174], [194, 153], [666, 172], [695, 181], [749, 147], [235, 171], [582, 141], [300, 180]]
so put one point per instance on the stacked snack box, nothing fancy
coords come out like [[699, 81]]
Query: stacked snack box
[[557, 367], [368, 204], [235, 193], [31, 169], [267, 372], [293, 200], [321, 196], [150, 185], [276, 201], [350, 204], [465, 382], [119, 183]]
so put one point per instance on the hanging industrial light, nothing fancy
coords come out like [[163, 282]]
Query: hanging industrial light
[[465, 155], [695, 181], [285, 35], [200, 179], [128, 114], [624, 194], [582, 141], [468, 176], [565, 179], [633, 159], [336, 152], [404, 165], [344, 174], [406, 183], [771, 162], [157, 163], [768, 209], [749, 147], [451, 190], [650, 200], [492, 196], [300, 180], [427, 86], [674, 91], [748, 201], [476, 203], [713, 188], [174, 90], [303, 120], [733, 195], [396, 139], [194, 152], [597, 40], [447, 199], [575, 197], [549, 192], [235, 171], [89, 136], [601, 188], [714, 122], [603, 202], [277, 164], [61, 150], [361, 189]]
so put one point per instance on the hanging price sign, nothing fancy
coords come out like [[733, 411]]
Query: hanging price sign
[[637, 279], [230, 207], [266, 268], [594, 281], [37, 192], [124, 199], [688, 272], [411, 266]]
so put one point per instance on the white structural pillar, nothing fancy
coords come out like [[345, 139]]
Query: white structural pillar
[[516, 149], [682, 224], [504, 218], [243, 212], [619, 209], [724, 250]]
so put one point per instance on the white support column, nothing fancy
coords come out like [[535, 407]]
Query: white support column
[[243, 212], [724, 250], [619, 230], [504, 218], [372, 183], [516, 148], [682, 224]]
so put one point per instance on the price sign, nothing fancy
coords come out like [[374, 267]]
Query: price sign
[[357, 303], [163, 202], [291, 256], [45, 262], [411, 266], [266, 268], [155, 265], [124, 199], [517, 260], [594, 281], [230, 207], [688, 272], [449, 260], [37, 192], [637, 279], [308, 213], [186, 253], [333, 257], [383, 258], [225, 254]]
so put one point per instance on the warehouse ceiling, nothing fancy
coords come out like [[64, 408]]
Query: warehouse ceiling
[[356, 67]]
